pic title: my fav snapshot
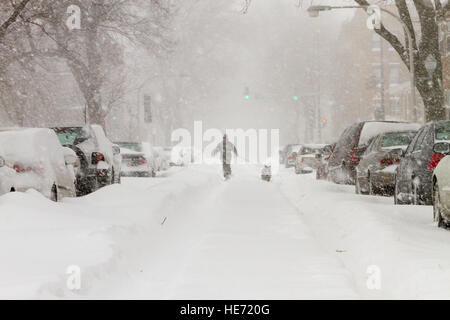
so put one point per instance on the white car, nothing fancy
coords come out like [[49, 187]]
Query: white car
[[309, 157], [99, 159], [7, 176], [40, 162], [162, 159], [137, 160], [441, 185]]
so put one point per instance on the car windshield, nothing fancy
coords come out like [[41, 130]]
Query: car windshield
[[135, 146], [397, 139], [71, 135], [307, 150], [443, 131]]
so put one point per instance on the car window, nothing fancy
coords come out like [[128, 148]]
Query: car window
[[72, 135], [130, 146], [442, 130], [394, 139], [413, 142], [420, 138]]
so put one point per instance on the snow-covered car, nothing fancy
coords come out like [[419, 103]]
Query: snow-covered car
[[414, 176], [137, 160], [180, 156], [162, 158], [353, 142], [40, 162], [375, 173], [7, 175], [98, 167], [291, 155], [441, 185], [309, 157]]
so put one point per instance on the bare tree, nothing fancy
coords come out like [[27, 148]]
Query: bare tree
[[426, 46], [94, 53]]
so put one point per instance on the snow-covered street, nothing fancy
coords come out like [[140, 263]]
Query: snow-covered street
[[190, 235]]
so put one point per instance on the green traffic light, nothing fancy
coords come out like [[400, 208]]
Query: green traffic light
[[247, 97], [114, 118], [295, 98]]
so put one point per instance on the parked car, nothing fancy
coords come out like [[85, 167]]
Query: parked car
[[375, 173], [40, 162], [99, 165], [7, 176], [137, 160], [181, 156], [353, 143], [309, 157], [117, 163], [290, 154], [162, 159], [441, 186], [414, 176], [322, 169]]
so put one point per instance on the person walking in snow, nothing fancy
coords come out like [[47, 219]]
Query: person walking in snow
[[225, 149]]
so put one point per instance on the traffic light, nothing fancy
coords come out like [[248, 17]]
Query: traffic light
[[295, 98], [114, 118], [324, 122], [247, 93]]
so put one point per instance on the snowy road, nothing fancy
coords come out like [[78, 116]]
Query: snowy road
[[191, 235]]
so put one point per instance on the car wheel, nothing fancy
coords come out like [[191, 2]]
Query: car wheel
[[12, 189], [373, 191], [437, 212], [54, 193], [397, 201]]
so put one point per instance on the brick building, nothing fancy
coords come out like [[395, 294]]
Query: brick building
[[372, 82]]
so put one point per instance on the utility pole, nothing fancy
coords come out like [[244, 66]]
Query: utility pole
[[380, 113], [317, 111]]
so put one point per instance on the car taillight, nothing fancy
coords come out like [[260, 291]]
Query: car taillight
[[97, 157], [20, 168], [355, 155], [435, 158], [389, 161], [143, 161]]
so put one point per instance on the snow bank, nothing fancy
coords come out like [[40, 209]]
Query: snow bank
[[412, 254], [40, 239]]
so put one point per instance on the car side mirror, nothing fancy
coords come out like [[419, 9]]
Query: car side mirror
[[2, 162], [442, 148], [116, 150]]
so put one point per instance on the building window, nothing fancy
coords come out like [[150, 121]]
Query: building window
[[394, 76]]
